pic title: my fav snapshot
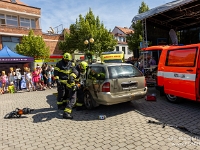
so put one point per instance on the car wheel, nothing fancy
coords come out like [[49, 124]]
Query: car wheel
[[173, 98], [88, 100]]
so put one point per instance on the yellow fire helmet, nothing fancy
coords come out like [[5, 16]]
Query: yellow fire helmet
[[67, 56], [83, 66]]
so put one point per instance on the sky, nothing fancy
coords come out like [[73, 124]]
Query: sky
[[63, 13]]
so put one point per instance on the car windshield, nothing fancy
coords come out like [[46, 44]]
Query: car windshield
[[113, 61], [123, 71]]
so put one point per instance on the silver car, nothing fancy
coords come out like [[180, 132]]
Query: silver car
[[119, 82]]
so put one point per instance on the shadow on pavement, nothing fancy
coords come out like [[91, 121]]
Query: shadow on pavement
[[88, 115], [184, 114], [46, 114], [108, 111]]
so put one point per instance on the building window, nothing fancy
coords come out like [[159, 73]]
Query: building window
[[13, 1], [124, 39], [24, 22], [124, 50], [29, 23], [121, 39], [117, 48], [11, 20], [33, 25], [10, 41], [181, 58], [2, 19]]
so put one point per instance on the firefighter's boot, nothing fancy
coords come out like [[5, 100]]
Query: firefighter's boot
[[67, 116]]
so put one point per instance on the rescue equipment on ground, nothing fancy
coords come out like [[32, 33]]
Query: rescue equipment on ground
[[151, 97], [184, 129], [18, 112], [102, 117]]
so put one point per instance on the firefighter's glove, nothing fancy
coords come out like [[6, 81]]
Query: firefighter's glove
[[82, 83], [77, 86]]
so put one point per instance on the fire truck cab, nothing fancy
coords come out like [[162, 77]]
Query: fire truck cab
[[178, 72]]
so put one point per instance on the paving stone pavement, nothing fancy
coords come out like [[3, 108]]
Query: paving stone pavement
[[125, 127]]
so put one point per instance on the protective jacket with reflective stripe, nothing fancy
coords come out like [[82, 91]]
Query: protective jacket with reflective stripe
[[62, 70], [71, 82]]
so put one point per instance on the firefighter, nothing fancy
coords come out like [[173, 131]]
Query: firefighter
[[62, 71], [72, 86], [96, 76], [82, 71]]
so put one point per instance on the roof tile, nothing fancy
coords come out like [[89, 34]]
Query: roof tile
[[126, 30]]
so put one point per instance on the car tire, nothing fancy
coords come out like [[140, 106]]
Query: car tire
[[172, 98], [88, 100]]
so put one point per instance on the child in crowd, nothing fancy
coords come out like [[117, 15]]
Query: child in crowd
[[40, 79], [18, 79], [11, 88], [11, 75], [1, 91], [44, 76], [3, 80], [42, 83], [28, 78], [35, 78], [49, 77], [52, 75]]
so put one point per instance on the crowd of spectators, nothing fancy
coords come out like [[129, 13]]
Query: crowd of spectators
[[40, 78], [141, 63]]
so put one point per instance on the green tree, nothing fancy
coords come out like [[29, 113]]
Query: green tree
[[85, 28], [33, 46], [136, 37]]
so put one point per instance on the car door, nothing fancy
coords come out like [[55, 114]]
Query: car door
[[93, 83], [180, 72], [198, 78]]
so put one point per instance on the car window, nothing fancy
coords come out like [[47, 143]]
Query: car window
[[182, 57], [123, 71], [98, 69], [95, 70]]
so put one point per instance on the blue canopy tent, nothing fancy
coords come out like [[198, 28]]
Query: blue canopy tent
[[8, 56]]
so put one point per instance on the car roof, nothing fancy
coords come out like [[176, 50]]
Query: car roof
[[110, 64]]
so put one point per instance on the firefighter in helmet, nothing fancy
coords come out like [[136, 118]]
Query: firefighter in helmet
[[72, 85], [82, 71], [62, 72]]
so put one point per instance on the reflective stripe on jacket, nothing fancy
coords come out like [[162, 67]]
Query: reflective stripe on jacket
[[62, 70], [72, 78]]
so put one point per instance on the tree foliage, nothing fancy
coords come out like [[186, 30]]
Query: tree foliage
[[85, 28], [33, 46], [135, 38]]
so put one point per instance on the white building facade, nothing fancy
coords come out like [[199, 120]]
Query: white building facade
[[120, 35]]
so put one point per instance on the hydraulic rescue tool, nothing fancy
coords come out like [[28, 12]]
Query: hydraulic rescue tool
[[18, 112]]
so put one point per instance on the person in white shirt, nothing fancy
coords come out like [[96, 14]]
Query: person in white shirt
[[11, 75], [18, 79], [28, 78]]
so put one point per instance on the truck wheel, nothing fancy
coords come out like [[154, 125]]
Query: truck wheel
[[88, 100], [173, 99]]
